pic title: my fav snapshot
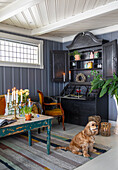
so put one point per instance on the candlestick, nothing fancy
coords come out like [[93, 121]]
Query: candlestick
[[21, 92], [8, 96], [29, 102], [69, 75], [12, 95], [64, 78], [16, 96], [14, 104]]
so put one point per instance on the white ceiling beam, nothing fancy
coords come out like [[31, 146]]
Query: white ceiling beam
[[80, 17], [16, 7], [22, 31]]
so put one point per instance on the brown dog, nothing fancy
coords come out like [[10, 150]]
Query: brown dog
[[84, 140]]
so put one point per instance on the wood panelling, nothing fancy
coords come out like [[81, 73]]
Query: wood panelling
[[32, 78]]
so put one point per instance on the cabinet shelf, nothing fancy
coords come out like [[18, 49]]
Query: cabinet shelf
[[82, 69], [100, 58]]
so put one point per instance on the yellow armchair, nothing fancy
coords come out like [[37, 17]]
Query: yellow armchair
[[56, 112]]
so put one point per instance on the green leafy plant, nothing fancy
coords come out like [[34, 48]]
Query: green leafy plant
[[109, 85], [74, 53], [25, 110]]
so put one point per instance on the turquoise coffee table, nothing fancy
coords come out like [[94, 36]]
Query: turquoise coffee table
[[21, 126]]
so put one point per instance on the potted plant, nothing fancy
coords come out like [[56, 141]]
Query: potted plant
[[109, 86], [76, 54], [26, 111]]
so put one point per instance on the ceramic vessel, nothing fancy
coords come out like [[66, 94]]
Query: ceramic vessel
[[77, 57], [28, 116]]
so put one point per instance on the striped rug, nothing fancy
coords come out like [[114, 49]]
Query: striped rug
[[15, 154]]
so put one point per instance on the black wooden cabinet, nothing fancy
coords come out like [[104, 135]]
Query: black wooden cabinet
[[110, 59], [78, 110], [60, 65]]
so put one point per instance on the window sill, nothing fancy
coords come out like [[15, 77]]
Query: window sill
[[10, 64]]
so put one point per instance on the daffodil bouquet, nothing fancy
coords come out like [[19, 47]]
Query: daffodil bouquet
[[25, 95]]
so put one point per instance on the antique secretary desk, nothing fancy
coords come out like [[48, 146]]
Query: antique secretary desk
[[95, 55]]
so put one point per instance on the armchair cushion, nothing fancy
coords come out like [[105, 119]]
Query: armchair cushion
[[54, 112]]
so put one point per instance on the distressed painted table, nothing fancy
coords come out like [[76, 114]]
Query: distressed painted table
[[21, 126]]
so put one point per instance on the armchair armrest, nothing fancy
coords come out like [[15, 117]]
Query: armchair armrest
[[49, 104]]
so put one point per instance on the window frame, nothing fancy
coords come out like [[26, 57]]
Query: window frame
[[27, 65]]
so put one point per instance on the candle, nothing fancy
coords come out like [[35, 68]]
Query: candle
[[29, 102], [21, 92], [69, 75], [16, 96], [8, 96], [12, 95], [64, 77]]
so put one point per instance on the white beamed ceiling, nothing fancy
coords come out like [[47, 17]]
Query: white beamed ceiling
[[58, 18]]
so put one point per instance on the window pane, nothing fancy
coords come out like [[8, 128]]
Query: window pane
[[18, 52]]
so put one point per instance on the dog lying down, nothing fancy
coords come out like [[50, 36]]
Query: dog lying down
[[83, 141]]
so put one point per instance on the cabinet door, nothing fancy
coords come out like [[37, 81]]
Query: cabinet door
[[109, 59], [60, 65]]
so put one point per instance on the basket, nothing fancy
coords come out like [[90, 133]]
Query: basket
[[105, 129], [96, 119]]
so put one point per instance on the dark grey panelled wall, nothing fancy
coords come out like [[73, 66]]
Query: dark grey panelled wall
[[32, 78], [112, 107]]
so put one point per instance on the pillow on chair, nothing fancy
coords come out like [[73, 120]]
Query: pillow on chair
[[37, 108]]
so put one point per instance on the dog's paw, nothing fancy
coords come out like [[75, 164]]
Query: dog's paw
[[86, 155], [94, 150], [79, 153]]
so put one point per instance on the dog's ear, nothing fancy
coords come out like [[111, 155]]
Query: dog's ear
[[87, 130]]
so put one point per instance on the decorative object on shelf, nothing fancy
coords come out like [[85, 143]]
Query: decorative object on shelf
[[76, 54], [69, 75], [96, 54], [77, 57], [73, 64], [105, 129], [90, 64], [86, 65], [91, 55], [110, 85], [78, 92], [97, 119], [80, 77], [64, 78]]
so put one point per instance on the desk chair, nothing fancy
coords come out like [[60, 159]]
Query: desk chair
[[55, 112]]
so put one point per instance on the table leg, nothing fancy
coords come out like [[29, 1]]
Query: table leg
[[29, 138], [48, 136]]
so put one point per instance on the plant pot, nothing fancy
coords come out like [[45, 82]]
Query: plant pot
[[77, 57], [28, 116]]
